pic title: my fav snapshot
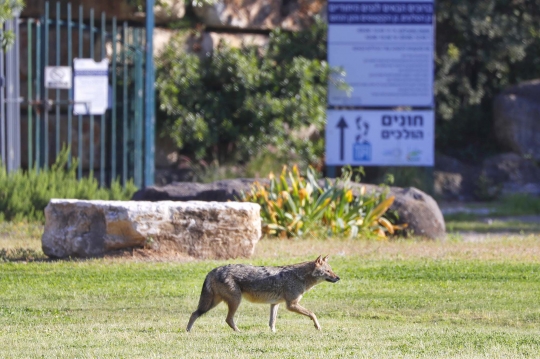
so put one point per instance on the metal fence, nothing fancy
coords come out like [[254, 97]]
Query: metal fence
[[37, 122]]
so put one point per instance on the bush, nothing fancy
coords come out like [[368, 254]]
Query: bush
[[237, 102], [294, 206], [25, 194]]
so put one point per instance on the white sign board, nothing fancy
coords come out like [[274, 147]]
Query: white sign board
[[380, 138], [58, 77], [386, 49], [91, 86]]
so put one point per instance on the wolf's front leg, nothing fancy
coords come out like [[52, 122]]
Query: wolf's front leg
[[293, 306], [273, 315]]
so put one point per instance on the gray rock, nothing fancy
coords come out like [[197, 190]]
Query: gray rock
[[416, 208], [413, 206], [516, 114], [208, 230], [513, 173], [453, 179]]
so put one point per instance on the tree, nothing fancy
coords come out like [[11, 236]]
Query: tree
[[8, 10]]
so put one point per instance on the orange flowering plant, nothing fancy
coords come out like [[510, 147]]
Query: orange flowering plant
[[295, 206]]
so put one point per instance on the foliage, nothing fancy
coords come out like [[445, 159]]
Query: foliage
[[519, 204], [25, 194], [8, 9], [294, 206], [237, 102], [482, 47], [486, 190]]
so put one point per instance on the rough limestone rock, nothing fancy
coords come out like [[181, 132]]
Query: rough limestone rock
[[199, 229], [414, 207], [516, 113]]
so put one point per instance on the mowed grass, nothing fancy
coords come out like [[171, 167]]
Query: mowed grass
[[397, 299]]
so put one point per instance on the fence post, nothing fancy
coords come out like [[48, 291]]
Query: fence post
[[13, 115], [150, 117]]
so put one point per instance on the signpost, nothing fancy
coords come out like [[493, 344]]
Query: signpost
[[386, 51], [379, 138], [91, 86]]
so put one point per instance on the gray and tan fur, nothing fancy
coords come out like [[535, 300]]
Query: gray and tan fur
[[270, 285]]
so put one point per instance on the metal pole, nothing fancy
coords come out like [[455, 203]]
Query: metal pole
[[17, 104], [57, 107], [70, 91], [45, 90], [2, 107], [29, 85], [79, 117], [102, 143], [92, 139], [125, 128], [150, 117], [114, 80]]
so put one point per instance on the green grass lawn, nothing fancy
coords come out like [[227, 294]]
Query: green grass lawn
[[403, 299]]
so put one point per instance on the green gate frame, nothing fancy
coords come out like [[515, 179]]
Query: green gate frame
[[124, 136]]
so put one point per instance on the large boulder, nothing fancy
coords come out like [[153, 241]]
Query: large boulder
[[516, 114], [453, 179], [414, 207], [513, 173], [76, 228]]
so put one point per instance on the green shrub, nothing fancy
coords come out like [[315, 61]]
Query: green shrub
[[25, 194], [294, 206], [236, 102]]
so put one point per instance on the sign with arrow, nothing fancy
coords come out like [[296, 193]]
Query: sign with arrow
[[342, 125], [380, 138]]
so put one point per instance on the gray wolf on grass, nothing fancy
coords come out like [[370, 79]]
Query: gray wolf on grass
[[271, 285]]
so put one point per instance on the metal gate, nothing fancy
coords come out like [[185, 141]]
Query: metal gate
[[37, 122]]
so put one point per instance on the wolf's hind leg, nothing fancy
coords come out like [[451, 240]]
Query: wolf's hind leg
[[293, 306], [273, 315]]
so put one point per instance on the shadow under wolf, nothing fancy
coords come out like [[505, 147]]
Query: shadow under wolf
[[270, 285]]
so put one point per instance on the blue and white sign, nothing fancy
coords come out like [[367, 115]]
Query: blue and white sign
[[90, 86], [386, 49], [380, 138]]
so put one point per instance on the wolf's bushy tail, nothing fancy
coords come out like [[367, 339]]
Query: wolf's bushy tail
[[206, 300]]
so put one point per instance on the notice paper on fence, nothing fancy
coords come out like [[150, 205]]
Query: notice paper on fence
[[90, 86]]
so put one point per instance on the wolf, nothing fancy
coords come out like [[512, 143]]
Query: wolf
[[271, 285]]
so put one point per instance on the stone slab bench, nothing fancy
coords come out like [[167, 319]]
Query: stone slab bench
[[206, 230]]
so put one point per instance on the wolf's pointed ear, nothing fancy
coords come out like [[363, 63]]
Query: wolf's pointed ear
[[325, 259], [318, 260]]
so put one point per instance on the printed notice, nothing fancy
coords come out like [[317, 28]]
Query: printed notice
[[386, 49], [91, 86], [58, 77], [380, 138]]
